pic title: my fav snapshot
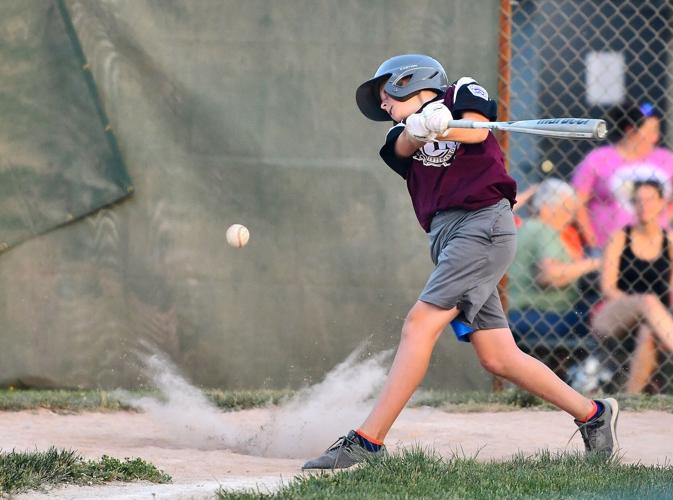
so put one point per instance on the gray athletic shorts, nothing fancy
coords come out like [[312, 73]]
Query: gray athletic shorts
[[471, 250]]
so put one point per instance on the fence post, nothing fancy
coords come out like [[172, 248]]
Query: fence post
[[504, 59]]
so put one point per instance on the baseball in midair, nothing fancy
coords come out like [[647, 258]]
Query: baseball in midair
[[238, 235]]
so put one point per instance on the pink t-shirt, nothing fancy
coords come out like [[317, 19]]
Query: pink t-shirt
[[608, 180]]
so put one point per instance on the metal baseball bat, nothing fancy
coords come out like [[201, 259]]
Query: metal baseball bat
[[568, 128]]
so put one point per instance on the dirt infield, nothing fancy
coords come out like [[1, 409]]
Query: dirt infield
[[200, 469]]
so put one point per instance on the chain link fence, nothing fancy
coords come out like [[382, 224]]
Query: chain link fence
[[587, 295]]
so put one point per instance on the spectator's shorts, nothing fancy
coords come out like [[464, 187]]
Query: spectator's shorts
[[471, 250]]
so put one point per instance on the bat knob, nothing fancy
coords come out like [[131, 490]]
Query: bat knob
[[601, 131]]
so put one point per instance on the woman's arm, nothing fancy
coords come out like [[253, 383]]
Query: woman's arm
[[553, 272], [523, 198], [583, 220], [610, 270], [669, 235], [407, 145]]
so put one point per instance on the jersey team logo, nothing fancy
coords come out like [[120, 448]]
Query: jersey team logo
[[437, 154], [478, 90]]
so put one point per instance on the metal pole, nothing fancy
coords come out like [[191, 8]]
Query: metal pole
[[504, 81]]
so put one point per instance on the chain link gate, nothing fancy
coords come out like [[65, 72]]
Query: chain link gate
[[603, 323]]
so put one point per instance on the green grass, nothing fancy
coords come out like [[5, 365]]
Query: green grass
[[471, 401], [59, 400], [515, 399], [417, 473], [22, 471], [241, 400], [100, 400]]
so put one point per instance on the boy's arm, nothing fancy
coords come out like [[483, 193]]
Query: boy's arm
[[467, 135], [407, 145], [388, 154]]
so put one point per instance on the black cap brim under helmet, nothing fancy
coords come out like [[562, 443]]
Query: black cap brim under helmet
[[369, 101]]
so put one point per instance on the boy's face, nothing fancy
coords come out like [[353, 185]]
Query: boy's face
[[399, 110]]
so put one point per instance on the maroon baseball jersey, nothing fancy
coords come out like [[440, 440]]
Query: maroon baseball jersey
[[447, 174]]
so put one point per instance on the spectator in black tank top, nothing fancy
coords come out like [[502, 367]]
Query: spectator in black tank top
[[636, 281]]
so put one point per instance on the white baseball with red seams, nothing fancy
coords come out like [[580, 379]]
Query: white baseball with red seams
[[238, 235]]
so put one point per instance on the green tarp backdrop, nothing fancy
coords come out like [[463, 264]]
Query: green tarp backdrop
[[221, 112]]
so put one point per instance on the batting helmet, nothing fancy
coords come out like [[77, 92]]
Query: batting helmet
[[425, 72]]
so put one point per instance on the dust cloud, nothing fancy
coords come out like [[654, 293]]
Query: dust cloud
[[301, 426]]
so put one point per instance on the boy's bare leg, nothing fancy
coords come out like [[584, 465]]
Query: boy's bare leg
[[643, 362], [422, 327], [500, 355]]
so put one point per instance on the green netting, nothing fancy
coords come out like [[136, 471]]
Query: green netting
[[234, 112], [57, 162]]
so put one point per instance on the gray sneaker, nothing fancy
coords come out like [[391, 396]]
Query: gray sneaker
[[600, 434], [346, 451]]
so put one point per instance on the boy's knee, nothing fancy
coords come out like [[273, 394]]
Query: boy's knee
[[495, 364], [502, 363], [416, 330], [412, 329], [411, 321]]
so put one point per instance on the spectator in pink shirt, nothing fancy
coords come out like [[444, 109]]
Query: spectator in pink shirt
[[604, 179]]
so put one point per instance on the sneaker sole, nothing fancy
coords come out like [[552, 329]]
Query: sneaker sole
[[308, 472], [613, 420]]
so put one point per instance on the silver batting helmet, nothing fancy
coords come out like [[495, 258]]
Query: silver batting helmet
[[425, 72]]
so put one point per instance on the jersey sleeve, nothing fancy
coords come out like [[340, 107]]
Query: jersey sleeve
[[470, 96], [387, 152]]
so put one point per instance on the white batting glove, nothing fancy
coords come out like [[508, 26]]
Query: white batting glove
[[437, 117], [416, 128]]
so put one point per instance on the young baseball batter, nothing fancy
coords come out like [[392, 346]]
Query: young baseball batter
[[463, 199]]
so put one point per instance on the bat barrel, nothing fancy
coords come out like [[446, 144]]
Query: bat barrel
[[569, 128], [584, 127]]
